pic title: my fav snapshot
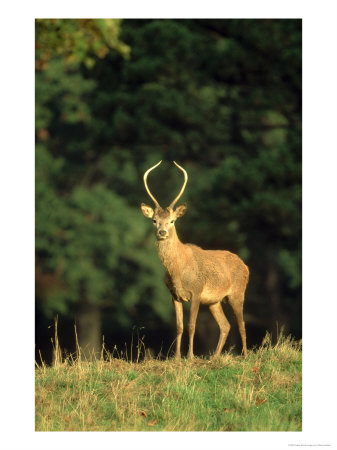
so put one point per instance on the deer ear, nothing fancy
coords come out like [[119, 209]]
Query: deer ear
[[180, 210], [147, 211]]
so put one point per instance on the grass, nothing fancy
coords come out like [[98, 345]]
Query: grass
[[259, 393]]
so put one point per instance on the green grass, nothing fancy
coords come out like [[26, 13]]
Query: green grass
[[260, 393]]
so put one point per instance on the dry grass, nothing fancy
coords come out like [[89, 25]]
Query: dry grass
[[262, 392]]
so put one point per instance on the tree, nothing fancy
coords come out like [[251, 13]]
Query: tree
[[85, 231], [223, 98]]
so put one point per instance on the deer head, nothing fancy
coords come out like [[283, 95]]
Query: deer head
[[164, 218]]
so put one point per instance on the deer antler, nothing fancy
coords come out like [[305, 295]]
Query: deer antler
[[146, 186], [182, 189]]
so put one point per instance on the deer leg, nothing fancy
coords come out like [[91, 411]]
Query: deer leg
[[224, 326], [237, 306], [191, 325], [178, 306]]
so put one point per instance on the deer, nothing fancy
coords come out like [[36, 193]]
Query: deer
[[195, 275]]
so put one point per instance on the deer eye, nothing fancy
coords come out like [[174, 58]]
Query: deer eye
[[172, 221], [154, 221]]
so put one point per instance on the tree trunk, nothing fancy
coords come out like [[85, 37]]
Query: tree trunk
[[88, 320], [274, 296]]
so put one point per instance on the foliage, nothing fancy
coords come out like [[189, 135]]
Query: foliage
[[261, 393], [77, 40], [223, 98]]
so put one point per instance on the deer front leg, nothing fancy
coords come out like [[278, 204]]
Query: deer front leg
[[191, 325], [178, 306]]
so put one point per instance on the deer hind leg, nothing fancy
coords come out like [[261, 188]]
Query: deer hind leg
[[224, 326], [178, 306], [237, 306], [191, 325]]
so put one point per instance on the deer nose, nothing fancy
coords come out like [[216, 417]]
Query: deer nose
[[162, 232]]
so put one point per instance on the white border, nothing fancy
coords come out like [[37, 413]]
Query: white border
[[17, 222]]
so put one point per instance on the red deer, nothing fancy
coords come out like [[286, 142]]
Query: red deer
[[195, 275]]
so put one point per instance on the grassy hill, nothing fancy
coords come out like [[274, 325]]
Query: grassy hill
[[260, 393]]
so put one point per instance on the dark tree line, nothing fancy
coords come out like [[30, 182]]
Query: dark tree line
[[221, 97]]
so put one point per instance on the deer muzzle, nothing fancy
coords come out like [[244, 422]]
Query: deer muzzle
[[162, 234]]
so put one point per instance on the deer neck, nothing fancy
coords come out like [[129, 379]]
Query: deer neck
[[170, 253]]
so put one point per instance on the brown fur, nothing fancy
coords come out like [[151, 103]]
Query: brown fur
[[199, 276]]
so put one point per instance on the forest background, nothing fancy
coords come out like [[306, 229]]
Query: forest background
[[223, 99]]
